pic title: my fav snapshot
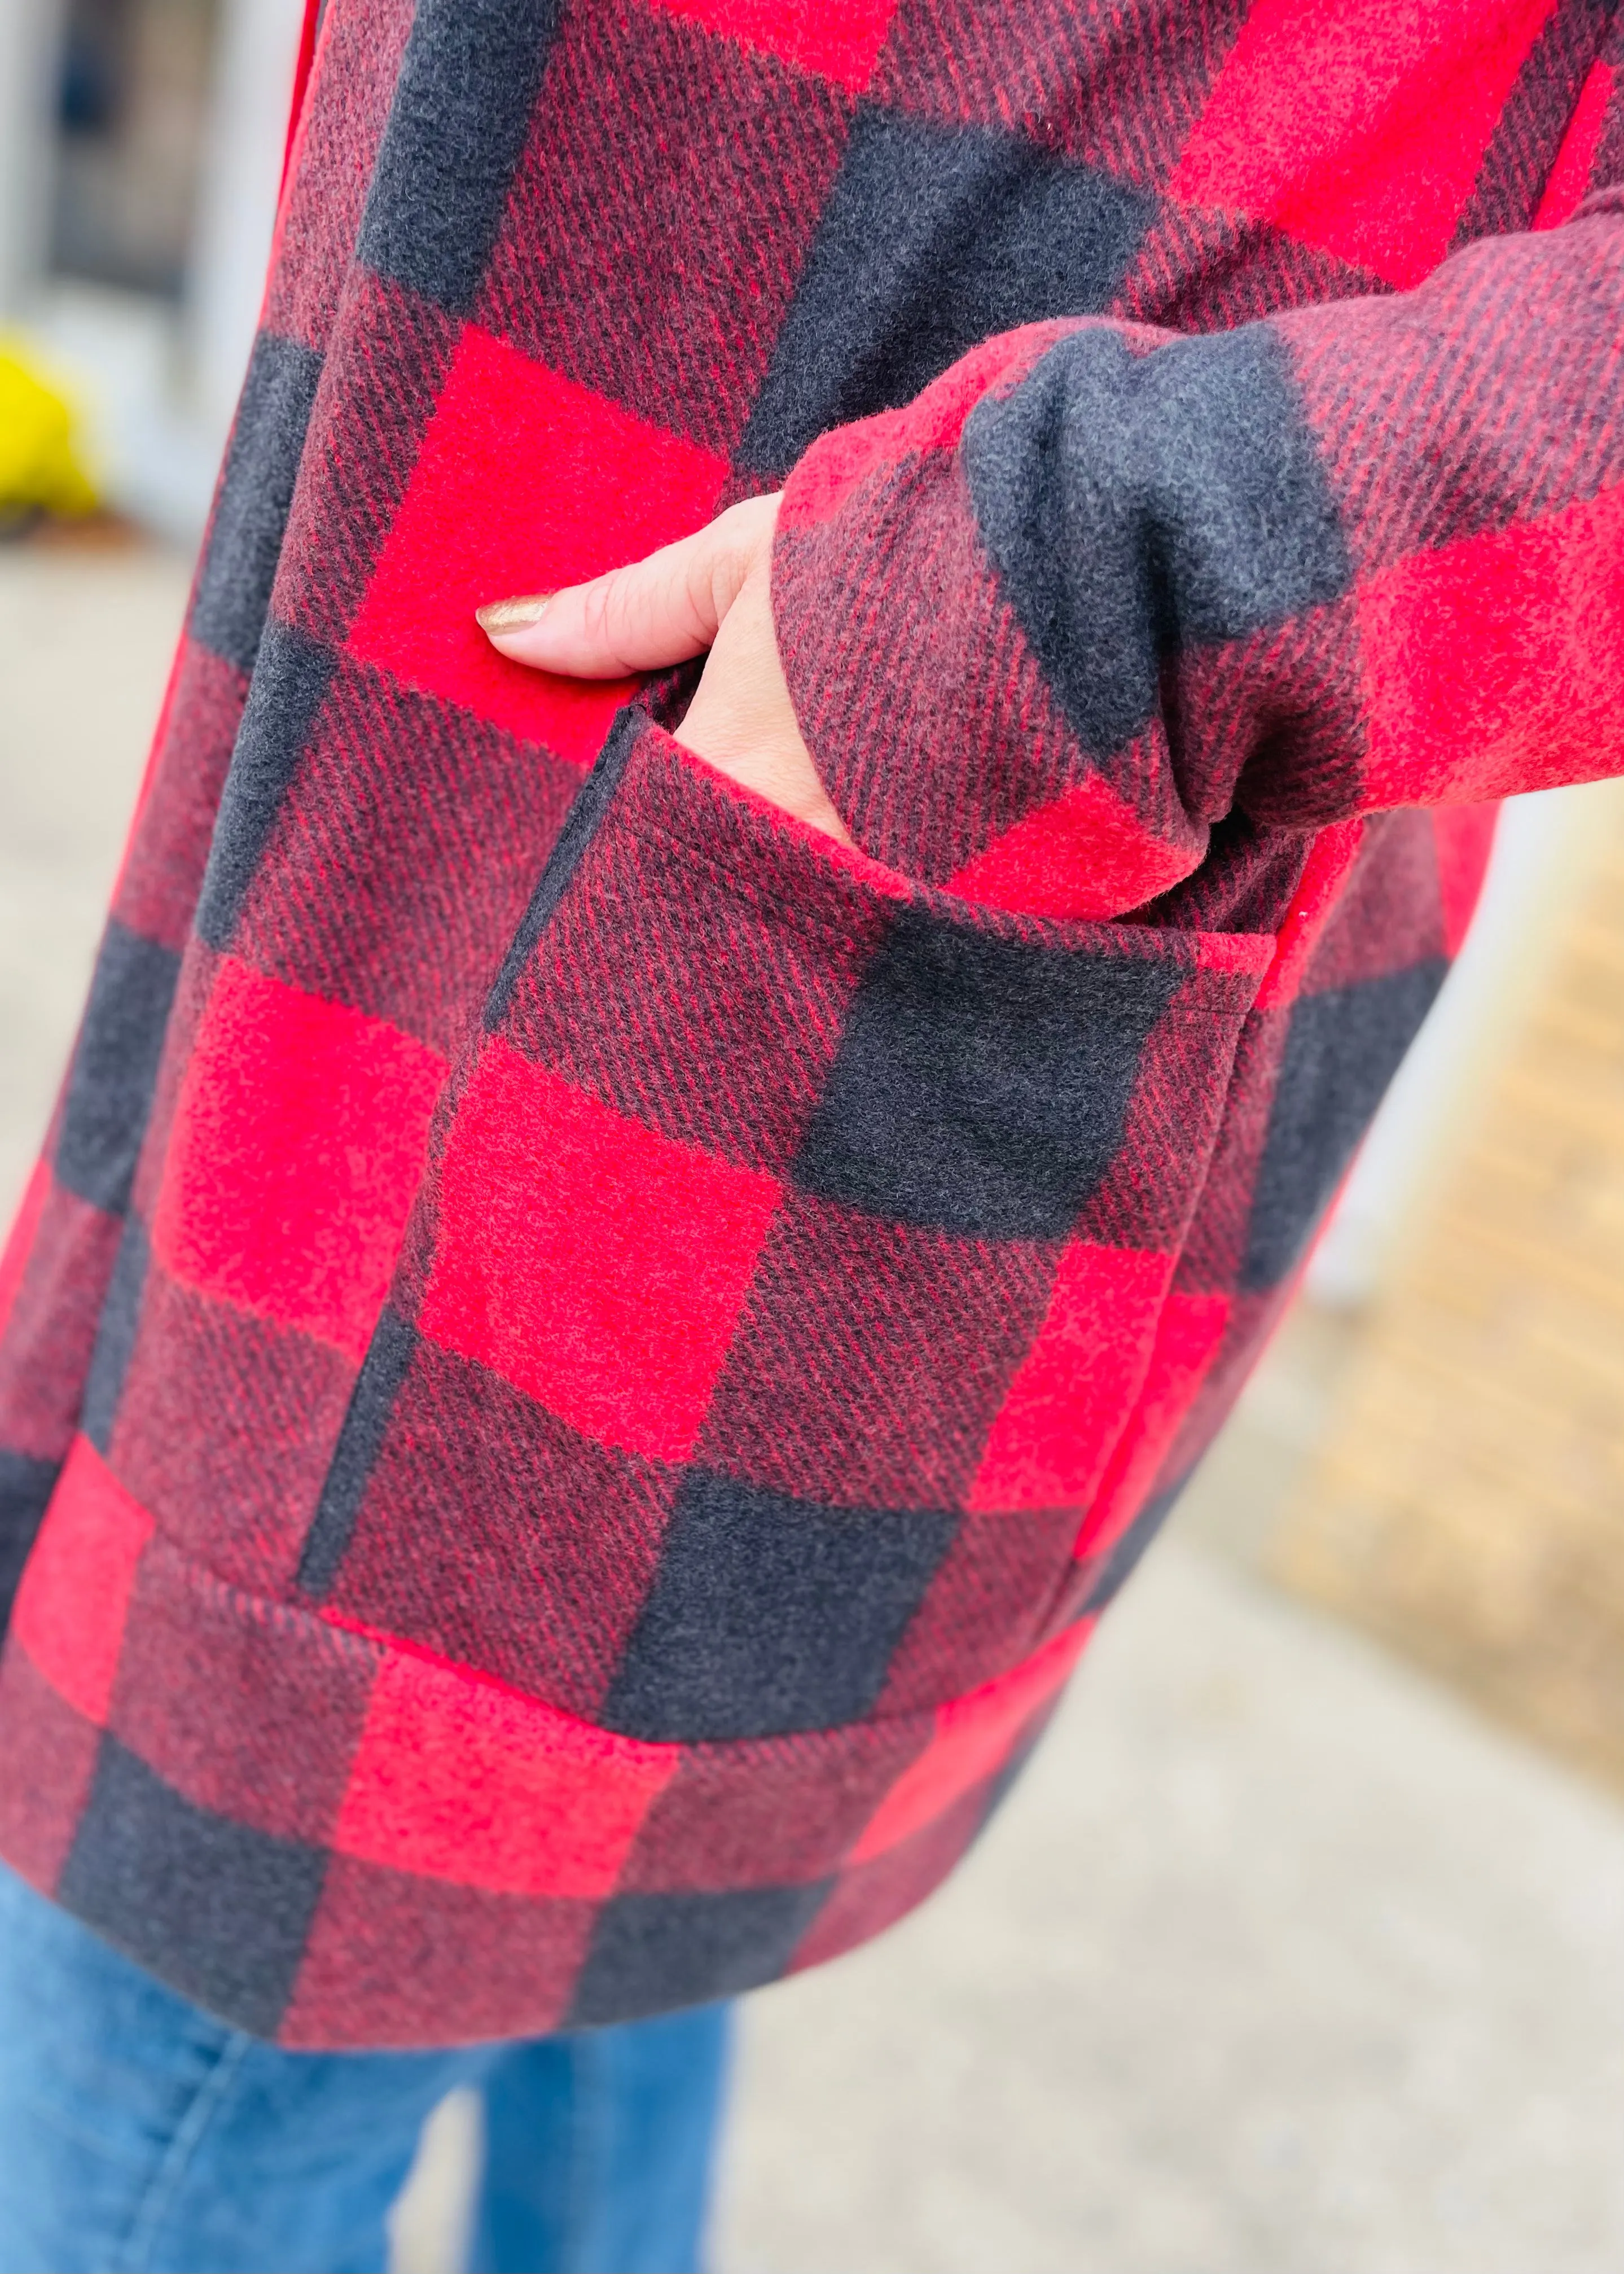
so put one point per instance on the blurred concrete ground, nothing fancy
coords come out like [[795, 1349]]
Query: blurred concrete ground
[[1279, 1962]]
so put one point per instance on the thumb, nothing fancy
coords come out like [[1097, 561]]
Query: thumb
[[656, 611]]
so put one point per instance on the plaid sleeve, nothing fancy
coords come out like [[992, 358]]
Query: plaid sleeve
[[1101, 585]]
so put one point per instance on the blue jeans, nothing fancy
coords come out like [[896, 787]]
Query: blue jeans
[[135, 2132]]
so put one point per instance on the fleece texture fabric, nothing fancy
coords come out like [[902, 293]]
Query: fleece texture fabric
[[580, 1362]]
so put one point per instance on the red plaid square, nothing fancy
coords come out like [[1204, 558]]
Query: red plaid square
[[1066, 1405], [524, 481], [1467, 660], [597, 1265], [1409, 94], [459, 1778], [75, 1593], [298, 1146], [839, 42]]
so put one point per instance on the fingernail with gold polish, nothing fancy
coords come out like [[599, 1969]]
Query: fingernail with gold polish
[[512, 615]]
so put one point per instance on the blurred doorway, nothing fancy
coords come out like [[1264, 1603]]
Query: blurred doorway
[[140, 149], [135, 83]]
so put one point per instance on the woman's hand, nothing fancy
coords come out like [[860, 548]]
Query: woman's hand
[[710, 591]]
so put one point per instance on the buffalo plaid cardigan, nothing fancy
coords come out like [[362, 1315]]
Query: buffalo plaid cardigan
[[580, 1361]]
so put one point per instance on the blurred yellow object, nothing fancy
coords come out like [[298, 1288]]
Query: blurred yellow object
[[39, 470]]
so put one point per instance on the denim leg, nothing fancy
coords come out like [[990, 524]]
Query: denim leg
[[600, 2148], [138, 2136]]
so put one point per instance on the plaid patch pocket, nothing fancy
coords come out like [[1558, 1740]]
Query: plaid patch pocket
[[789, 1258]]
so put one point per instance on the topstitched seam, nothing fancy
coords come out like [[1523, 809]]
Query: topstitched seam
[[655, 834], [182, 2147], [331, 1631]]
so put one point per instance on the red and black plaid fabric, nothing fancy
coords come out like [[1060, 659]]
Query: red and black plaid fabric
[[580, 1360]]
